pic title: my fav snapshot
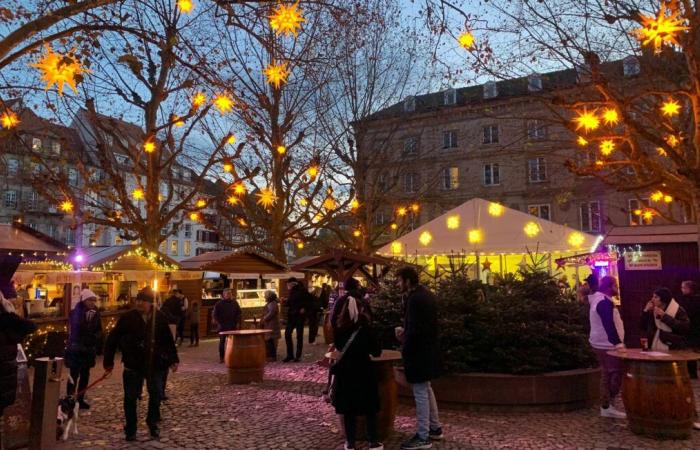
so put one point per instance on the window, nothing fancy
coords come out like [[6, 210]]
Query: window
[[449, 139], [72, 177], [536, 130], [382, 182], [450, 97], [118, 240], [410, 182], [450, 178], [36, 144], [186, 248], [33, 200], [590, 216], [12, 167], [379, 218], [537, 170], [97, 176], [187, 175], [490, 90], [33, 226], [173, 248], [410, 146], [188, 230], [630, 66], [639, 213], [122, 160], [52, 230], [36, 168], [490, 134], [541, 211], [56, 148], [70, 236], [585, 159], [409, 105], [492, 175], [207, 236], [534, 82], [11, 199]]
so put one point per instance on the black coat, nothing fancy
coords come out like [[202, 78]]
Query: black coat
[[680, 325], [356, 389], [173, 309], [421, 348], [13, 330], [299, 298], [145, 344], [227, 314], [84, 337], [691, 304]]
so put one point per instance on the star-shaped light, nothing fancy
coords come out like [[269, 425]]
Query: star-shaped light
[[466, 40], [228, 167], [239, 188], [453, 222], [661, 29], [576, 239], [672, 140], [611, 116], [531, 229], [177, 121], [425, 238], [357, 232], [394, 226], [648, 215], [277, 74], [201, 203], [329, 203], [303, 202], [231, 139], [582, 141], [232, 200], [656, 196], [668, 198], [194, 216], [496, 209], [607, 147], [66, 206], [300, 245], [475, 236], [402, 211], [588, 120], [198, 99], [185, 6], [415, 207], [266, 197], [9, 119], [281, 149], [60, 70], [149, 146], [286, 19], [354, 204], [671, 108], [312, 171], [223, 103], [137, 194]]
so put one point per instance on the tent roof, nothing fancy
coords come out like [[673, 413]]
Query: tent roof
[[119, 256], [16, 237], [233, 262], [499, 234]]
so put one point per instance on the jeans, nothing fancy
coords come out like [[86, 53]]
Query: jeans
[[222, 347], [426, 409], [180, 331], [81, 377], [133, 384], [298, 325], [350, 424], [271, 348], [610, 376], [194, 334]]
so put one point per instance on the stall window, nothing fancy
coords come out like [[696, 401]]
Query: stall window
[[186, 248], [173, 248]]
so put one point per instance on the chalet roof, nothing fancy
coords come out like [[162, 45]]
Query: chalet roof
[[20, 238], [121, 257], [234, 262], [651, 234]]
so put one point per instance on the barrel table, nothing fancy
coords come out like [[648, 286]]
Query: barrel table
[[245, 355], [388, 392], [657, 393]]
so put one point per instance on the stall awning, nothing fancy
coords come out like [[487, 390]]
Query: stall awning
[[120, 258], [341, 265], [233, 262]]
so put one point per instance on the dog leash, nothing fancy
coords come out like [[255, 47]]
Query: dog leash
[[94, 383]]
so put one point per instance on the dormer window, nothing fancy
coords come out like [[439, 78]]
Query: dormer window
[[490, 90], [450, 97], [409, 105], [534, 82], [630, 66]]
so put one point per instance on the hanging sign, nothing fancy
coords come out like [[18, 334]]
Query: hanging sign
[[649, 260]]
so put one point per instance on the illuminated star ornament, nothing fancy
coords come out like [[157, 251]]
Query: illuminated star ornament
[[60, 70], [607, 147], [66, 206], [611, 117], [9, 119], [588, 120], [661, 29], [576, 239], [670, 108], [286, 19], [198, 99], [138, 194], [277, 74], [223, 103], [266, 198], [185, 6], [466, 40]]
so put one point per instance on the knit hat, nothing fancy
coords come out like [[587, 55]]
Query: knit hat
[[145, 295], [87, 294], [664, 294]]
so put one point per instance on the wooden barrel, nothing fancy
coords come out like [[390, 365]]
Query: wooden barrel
[[327, 328], [659, 399], [245, 356]]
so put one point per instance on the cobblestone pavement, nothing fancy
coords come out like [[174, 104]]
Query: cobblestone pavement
[[286, 412]]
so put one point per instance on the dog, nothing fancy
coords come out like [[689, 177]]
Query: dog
[[67, 417]]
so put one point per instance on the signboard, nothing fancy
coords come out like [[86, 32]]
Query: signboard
[[643, 260]]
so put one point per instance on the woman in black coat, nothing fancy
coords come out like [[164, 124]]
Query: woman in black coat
[[356, 392], [13, 330]]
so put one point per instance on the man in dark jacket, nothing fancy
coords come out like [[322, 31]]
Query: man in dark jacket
[[421, 356], [297, 306], [148, 351], [13, 330], [664, 322], [174, 309], [84, 339], [227, 315], [690, 301]]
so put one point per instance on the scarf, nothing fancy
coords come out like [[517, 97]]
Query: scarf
[[353, 312], [671, 310]]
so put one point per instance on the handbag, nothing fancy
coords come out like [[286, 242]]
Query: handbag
[[331, 389]]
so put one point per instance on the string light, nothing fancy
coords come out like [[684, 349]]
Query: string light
[[357, 232], [228, 167], [194, 216], [198, 99], [276, 74], [9, 119], [201, 203], [415, 207], [394, 226], [231, 139], [286, 19], [661, 29], [354, 204], [155, 259], [312, 171], [329, 203], [402, 211], [60, 70], [656, 196], [185, 6], [239, 188], [232, 200]]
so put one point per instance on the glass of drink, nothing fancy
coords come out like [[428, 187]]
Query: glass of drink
[[645, 343]]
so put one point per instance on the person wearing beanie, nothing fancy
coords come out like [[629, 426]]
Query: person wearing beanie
[[664, 322], [84, 343], [148, 352]]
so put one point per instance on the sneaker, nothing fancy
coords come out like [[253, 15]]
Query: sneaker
[[83, 404], [436, 434], [416, 443], [376, 446], [612, 413]]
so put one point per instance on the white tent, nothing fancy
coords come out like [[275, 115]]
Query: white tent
[[482, 227]]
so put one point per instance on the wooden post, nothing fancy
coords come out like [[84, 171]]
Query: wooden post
[[47, 383]]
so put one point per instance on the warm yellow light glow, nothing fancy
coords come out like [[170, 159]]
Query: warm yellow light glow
[[60, 70], [656, 196], [242, 222], [670, 108], [137, 194], [588, 120], [312, 171], [223, 103], [637, 212], [276, 74], [266, 198], [531, 229], [425, 238], [281, 149], [231, 139], [149, 146], [300, 245], [648, 215], [611, 117], [354, 204], [576, 239], [228, 167], [661, 151], [185, 6], [453, 222], [496, 209], [582, 141], [286, 19], [194, 216], [198, 99], [9, 119], [201, 203], [661, 29], [668, 198], [475, 236], [357, 233], [394, 226], [239, 188], [232, 200], [177, 121], [154, 284], [402, 211], [396, 247], [607, 147], [466, 40], [329, 203], [415, 207], [672, 140], [303, 202], [66, 206]]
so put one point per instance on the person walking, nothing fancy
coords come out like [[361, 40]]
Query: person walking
[[227, 316], [607, 333], [148, 351], [356, 384], [664, 322], [297, 306], [421, 356], [194, 323], [84, 343], [313, 313], [271, 321], [690, 302], [172, 307]]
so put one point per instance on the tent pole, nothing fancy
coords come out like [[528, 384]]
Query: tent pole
[[478, 266]]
